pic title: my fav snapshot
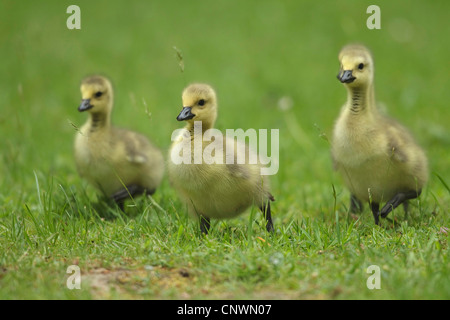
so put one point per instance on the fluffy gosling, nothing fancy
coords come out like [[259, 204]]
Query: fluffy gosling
[[376, 156], [214, 190], [120, 163]]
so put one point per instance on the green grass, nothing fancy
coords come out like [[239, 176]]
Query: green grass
[[254, 54]]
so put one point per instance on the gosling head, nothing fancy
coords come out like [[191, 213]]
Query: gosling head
[[96, 94], [356, 68], [199, 104]]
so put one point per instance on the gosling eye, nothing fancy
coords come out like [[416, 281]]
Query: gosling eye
[[98, 94], [201, 102], [361, 66]]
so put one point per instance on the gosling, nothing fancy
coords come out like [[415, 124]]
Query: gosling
[[220, 189], [122, 164], [376, 156]]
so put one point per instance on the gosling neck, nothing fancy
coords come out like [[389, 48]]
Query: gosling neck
[[99, 121], [361, 100], [194, 126]]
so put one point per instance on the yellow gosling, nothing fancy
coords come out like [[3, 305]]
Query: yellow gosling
[[120, 163], [376, 156], [214, 190]]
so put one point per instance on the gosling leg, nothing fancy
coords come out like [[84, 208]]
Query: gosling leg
[[398, 199], [265, 209], [204, 224], [129, 191], [406, 208], [356, 206], [375, 211]]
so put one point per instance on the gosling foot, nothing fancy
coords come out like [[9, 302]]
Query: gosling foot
[[398, 199], [130, 191]]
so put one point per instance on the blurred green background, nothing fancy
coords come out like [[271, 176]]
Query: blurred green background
[[253, 53], [258, 55]]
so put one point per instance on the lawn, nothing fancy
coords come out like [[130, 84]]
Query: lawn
[[274, 66]]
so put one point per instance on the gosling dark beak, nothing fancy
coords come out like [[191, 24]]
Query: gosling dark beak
[[85, 105], [185, 114], [346, 76]]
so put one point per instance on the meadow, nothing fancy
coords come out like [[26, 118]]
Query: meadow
[[274, 66]]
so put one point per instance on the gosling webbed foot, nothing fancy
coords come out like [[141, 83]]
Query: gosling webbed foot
[[398, 199], [129, 192]]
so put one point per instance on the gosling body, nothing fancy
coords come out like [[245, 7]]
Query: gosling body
[[222, 189], [377, 157], [118, 162]]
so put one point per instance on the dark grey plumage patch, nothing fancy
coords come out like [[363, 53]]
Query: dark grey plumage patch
[[395, 151], [356, 105], [238, 171], [134, 143], [98, 121]]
